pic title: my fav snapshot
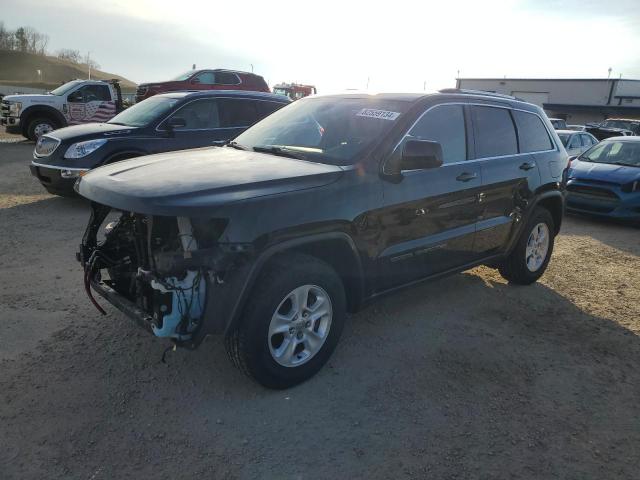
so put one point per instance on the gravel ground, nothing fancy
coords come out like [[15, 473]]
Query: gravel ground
[[462, 378]]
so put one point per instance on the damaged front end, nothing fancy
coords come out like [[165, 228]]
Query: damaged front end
[[161, 271]]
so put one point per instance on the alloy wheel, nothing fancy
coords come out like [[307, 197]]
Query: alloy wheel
[[300, 325], [537, 247]]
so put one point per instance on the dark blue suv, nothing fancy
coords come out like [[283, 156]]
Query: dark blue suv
[[173, 121], [318, 209]]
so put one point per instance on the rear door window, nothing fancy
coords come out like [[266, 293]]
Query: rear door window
[[575, 142], [199, 115], [532, 134], [586, 140], [226, 78], [495, 132], [444, 124], [238, 112], [206, 78]]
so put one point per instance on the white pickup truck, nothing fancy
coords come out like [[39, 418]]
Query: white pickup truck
[[78, 101]]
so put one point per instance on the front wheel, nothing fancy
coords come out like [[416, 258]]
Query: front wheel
[[292, 322], [40, 126], [529, 259]]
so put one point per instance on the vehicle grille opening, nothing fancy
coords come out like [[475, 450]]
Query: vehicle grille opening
[[598, 192]]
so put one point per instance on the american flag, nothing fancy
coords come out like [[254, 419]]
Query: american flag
[[94, 112]]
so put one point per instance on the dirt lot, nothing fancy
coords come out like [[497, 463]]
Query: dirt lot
[[463, 378]]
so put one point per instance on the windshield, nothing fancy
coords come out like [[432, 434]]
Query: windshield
[[564, 138], [622, 124], [143, 113], [62, 89], [619, 153], [183, 76], [327, 130]]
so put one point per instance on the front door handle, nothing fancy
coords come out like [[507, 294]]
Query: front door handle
[[466, 176], [527, 166]]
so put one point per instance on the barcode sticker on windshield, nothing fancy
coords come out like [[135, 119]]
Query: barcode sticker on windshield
[[383, 114]]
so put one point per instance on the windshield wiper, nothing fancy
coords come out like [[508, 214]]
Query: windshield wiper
[[626, 164], [277, 150], [236, 145]]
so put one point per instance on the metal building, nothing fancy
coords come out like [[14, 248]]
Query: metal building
[[577, 100]]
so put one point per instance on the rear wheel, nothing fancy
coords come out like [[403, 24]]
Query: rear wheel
[[292, 322], [530, 257], [40, 126]]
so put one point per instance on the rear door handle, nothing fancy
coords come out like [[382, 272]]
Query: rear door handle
[[527, 166], [466, 176]]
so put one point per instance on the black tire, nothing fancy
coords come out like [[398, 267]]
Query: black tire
[[33, 124], [248, 344], [514, 268]]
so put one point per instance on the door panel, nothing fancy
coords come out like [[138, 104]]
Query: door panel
[[509, 178], [508, 184], [429, 224], [428, 221]]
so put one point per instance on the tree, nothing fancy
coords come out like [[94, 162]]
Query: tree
[[6, 38], [21, 39], [69, 54]]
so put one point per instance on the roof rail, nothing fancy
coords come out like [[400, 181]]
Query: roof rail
[[476, 92]]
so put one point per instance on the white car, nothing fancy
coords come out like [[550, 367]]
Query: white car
[[576, 142]]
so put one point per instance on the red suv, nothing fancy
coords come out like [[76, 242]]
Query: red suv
[[217, 79]]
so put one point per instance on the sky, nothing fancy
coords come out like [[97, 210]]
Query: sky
[[385, 46]]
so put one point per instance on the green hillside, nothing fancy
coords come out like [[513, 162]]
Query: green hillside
[[19, 68]]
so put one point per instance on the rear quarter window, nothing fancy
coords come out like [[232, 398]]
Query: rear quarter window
[[495, 133], [532, 134]]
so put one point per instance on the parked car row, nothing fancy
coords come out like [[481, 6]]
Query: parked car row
[[295, 216], [88, 101]]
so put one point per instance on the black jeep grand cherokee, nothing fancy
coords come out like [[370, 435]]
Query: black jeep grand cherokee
[[321, 207]]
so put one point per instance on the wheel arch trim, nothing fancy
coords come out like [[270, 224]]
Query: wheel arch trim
[[44, 110], [289, 245]]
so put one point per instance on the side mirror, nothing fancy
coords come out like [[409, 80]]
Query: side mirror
[[176, 122], [195, 81], [421, 155]]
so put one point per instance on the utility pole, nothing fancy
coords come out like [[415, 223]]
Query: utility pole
[[368, 78], [609, 74], [89, 63], [251, 67]]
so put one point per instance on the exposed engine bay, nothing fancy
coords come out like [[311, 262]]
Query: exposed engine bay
[[157, 269]]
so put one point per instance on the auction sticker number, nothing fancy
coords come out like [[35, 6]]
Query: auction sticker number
[[383, 114]]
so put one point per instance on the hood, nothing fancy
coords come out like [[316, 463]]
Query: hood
[[32, 98], [191, 182], [93, 130], [603, 172]]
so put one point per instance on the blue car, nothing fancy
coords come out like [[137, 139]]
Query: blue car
[[605, 180]]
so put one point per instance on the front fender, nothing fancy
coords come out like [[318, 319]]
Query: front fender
[[31, 112], [227, 296]]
